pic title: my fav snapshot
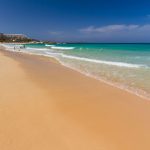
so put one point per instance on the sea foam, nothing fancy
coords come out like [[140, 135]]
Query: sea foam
[[119, 64], [48, 45], [62, 48], [36, 49]]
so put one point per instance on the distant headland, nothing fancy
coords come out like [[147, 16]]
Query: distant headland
[[19, 38]]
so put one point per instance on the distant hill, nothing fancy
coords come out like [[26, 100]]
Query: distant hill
[[14, 38]]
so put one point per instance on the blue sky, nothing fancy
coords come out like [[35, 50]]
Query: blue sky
[[78, 20]]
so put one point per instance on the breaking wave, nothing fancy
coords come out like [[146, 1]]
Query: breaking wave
[[62, 48], [119, 64]]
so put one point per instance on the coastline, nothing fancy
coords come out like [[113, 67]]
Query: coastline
[[132, 90], [63, 109]]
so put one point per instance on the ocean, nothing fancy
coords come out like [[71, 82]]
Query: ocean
[[126, 66]]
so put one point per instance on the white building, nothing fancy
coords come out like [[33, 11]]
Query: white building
[[16, 36]]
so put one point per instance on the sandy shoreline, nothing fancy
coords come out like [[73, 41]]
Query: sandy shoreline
[[46, 106]]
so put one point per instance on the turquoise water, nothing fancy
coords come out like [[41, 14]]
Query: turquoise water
[[123, 65]]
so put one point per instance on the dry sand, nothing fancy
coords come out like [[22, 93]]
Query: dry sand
[[45, 106]]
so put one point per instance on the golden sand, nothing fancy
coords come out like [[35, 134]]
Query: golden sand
[[45, 106]]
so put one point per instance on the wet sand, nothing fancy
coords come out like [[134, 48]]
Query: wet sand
[[44, 105]]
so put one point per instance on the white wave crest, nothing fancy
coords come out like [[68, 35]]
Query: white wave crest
[[62, 48], [119, 64], [48, 45], [36, 49]]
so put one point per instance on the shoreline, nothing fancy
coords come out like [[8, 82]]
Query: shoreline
[[45, 105], [130, 90]]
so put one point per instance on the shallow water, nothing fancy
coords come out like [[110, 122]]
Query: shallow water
[[124, 65]]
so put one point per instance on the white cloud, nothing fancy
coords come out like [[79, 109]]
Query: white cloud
[[118, 32], [110, 28]]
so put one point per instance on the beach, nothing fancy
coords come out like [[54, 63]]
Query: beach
[[44, 105]]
